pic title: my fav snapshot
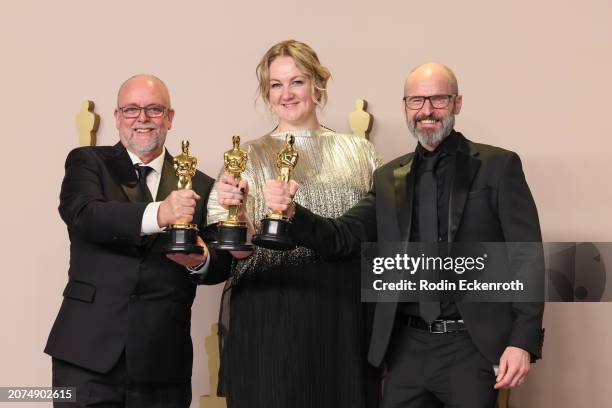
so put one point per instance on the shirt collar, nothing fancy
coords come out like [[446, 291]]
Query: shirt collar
[[156, 164], [448, 146]]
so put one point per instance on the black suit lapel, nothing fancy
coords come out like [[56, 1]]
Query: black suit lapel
[[466, 167], [168, 181], [404, 190], [122, 170]]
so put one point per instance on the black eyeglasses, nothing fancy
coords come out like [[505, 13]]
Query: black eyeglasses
[[437, 101], [151, 111]]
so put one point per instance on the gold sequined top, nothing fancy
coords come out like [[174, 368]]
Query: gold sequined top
[[334, 172]]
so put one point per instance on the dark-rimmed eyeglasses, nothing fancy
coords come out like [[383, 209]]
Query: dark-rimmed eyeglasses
[[437, 101], [151, 111]]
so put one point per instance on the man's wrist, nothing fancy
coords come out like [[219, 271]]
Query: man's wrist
[[290, 213], [197, 267], [205, 256], [202, 267]]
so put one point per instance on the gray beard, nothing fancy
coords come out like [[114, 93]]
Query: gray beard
[[145, 149], [432, 139], [151, 147]]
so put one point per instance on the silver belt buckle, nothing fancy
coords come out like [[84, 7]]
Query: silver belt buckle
[[437, 331]]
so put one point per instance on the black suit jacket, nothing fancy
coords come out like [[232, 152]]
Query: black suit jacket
[[489, 202], [122, 292]]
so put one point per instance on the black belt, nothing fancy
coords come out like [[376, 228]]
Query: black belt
[[436, 327]]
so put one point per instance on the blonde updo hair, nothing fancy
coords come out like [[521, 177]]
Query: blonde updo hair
[[306, 60]]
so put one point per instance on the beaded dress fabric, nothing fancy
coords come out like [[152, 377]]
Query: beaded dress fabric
[[295, 333]]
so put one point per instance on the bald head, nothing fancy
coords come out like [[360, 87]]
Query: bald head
[[146, 82], [430, 72]]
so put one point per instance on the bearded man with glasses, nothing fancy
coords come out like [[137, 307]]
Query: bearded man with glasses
[[122, 335], [438, 352]]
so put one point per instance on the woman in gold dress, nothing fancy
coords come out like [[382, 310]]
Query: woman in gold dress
[[298, 333]]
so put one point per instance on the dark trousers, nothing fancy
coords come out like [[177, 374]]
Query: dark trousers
[[115, 389], [427, 370]]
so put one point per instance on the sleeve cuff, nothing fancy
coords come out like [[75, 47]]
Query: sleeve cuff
[[200, 269], [149, 220]]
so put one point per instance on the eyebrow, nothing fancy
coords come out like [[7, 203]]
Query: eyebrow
[[301, 76]]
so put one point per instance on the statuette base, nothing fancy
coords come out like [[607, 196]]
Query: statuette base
[[231, 236], [275, 235], [182, 238]]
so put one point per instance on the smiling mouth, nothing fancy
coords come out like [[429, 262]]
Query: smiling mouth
[[428, 121], [143, 130]]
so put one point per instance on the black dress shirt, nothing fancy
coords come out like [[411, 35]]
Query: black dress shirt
[[443, 172]]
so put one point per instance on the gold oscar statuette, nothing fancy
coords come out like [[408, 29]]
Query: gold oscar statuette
[[182, 237], [232, 233], [275, 226]]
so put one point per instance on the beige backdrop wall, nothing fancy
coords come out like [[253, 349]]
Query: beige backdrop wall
[[535, 75]]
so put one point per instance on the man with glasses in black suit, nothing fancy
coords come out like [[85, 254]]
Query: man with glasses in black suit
[[438, 353], [122, 335]]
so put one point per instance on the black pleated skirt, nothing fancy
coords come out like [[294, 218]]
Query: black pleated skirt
[[298, 338]]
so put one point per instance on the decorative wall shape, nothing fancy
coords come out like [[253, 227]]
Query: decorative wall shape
[[87, 122], [360, 120]]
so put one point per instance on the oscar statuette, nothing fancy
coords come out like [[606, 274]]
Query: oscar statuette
[[232, 233], [183, 237], [275, 226]]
